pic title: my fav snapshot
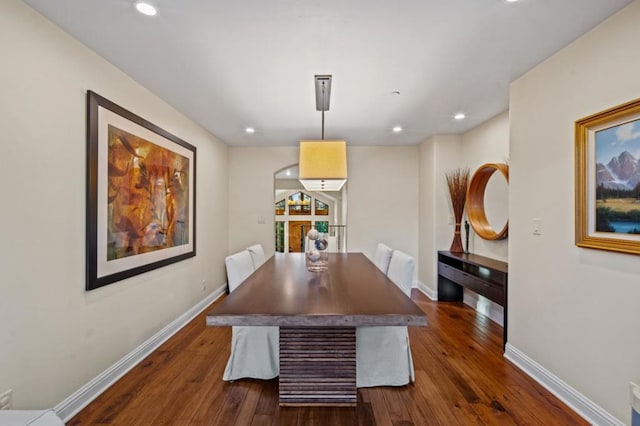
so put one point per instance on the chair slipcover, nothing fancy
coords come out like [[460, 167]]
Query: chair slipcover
[[255, 353], [239, 267], [29, 417], [257, 255], [401, 271], [255, 350], [383, 354], [383, 357], [382, 257]]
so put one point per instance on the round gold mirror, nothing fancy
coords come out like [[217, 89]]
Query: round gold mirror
[[487, 185]]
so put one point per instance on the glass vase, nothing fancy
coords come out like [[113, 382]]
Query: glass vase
[[316, 251]]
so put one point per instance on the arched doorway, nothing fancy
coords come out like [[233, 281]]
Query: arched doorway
[[296, 210]]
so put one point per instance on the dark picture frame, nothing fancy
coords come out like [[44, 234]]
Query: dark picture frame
[[141, 195], [607, 151]]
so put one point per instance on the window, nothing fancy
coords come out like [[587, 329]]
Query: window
[[280, 207], [322, 226], [321, 208], [280, 236], [299, 204]]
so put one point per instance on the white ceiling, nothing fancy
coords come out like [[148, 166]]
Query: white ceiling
[[231, 64]]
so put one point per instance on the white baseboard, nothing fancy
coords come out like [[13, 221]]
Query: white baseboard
[[433, 295], [87, 393], [582, 405]]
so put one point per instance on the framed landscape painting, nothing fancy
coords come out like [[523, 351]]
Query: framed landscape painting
[[140, 195], [608, 179]]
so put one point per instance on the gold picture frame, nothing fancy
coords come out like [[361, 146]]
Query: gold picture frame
[[607, 156]]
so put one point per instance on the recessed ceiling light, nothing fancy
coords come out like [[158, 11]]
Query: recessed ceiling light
[[146, 8], [288, 172], [250, 130], [511, 1], [397, 129], [459, 116]]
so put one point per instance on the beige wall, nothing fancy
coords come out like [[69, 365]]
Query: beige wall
[[427, 217], [487, 143], [55, 335], [251, 194], [382, 201], [573, 310], [438, 155]]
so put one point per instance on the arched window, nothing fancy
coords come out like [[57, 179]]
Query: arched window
[[299, 204]]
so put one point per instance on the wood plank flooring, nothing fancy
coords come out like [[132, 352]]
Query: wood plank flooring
[[461, 379]]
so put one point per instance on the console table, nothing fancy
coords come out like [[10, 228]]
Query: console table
[[482, 275]]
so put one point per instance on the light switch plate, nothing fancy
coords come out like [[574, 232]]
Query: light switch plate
[[537, 226]]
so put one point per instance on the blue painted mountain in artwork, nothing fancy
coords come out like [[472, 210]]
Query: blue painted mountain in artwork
[[621, 172]]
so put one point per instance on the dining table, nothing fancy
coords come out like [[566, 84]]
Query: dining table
[[317, 314]]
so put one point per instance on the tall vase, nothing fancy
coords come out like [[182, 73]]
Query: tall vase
[[456, 244], [316, 252]]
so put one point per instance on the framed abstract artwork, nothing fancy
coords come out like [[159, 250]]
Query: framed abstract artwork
[[607, 147], [141, 187]]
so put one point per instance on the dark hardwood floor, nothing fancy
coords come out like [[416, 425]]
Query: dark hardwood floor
[[461, 379]]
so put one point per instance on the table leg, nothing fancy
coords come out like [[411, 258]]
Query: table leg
[[317, 366]]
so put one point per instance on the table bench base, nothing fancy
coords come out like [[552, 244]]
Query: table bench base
[[317, 366]]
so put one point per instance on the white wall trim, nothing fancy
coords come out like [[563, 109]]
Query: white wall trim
[[90, 391], [582, 405], [433, 295]]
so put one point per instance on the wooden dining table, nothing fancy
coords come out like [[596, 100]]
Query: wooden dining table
[[317, 313]]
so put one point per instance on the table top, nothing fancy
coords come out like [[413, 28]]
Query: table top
[[353, 292]]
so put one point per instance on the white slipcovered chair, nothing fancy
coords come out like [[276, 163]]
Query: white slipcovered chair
[[401, 271], [29, 417], [255, 350], [257, 255], [239, 267], [382, 257], [383, 355]]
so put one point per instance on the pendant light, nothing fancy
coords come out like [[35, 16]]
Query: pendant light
[[323, 163]]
